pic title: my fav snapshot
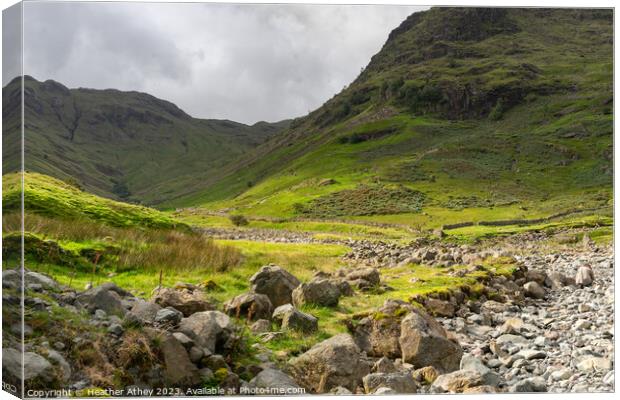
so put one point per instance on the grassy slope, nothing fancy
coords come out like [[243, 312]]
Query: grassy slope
[[548, 152], [103, 137], [51, 197]]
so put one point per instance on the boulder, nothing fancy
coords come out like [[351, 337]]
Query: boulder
[[556, 280], [529, 385], [456, 382], [208, 329], [319, 291], [275, 379], [425, 374], [424, 342], [106, 297], [179, 371], [185, 300], [440, 308], [39, 279], [534, 290], [370, 275], [276, 283], [400, 382], [384, 365], [144, 311], [378, 334], [35, 367], [168, 316], [252, 306], [334, 362], [471, 363], [584, 276], [291, 318]]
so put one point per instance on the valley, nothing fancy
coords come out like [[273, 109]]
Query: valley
[[418, 233]]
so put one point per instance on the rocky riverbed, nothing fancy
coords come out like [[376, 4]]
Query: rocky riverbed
[[531, 331]]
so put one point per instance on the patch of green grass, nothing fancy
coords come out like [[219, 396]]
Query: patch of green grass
[[51, 197]]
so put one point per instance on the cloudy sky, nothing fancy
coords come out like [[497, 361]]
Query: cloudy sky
[[241, 62]]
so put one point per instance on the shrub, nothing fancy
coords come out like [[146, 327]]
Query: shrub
[[239, 220]]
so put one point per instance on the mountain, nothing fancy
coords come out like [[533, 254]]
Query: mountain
[[505, 111], [123, 145]]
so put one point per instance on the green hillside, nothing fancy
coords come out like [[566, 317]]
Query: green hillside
[[50, 197], [465, 114], [123, 145]]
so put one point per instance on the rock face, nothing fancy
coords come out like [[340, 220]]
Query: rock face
[[319, 291], [334, 362], [253, 306], [208, 329], [276, 283], [291, 318], [424, 342], [399, 382], [185, 300]]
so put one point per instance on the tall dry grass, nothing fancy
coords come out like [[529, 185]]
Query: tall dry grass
[[136, 249]]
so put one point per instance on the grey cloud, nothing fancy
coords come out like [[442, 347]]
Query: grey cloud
[[240, 62]]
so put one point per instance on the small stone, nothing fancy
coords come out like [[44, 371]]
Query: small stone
[[529, 385], [168, 316], [582, 324], [561, 375], [595, 364]]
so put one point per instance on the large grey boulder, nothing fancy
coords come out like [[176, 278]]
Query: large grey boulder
[[186, 300], [107, 297], [179, 370], [291, 318], [364, 277], [207, 328], [319, 291], [144, 311], [399, 382], [274, 379], [424, 342], [35, 367], [40, 279], [334, 362], [276, 283], [253, 306]]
